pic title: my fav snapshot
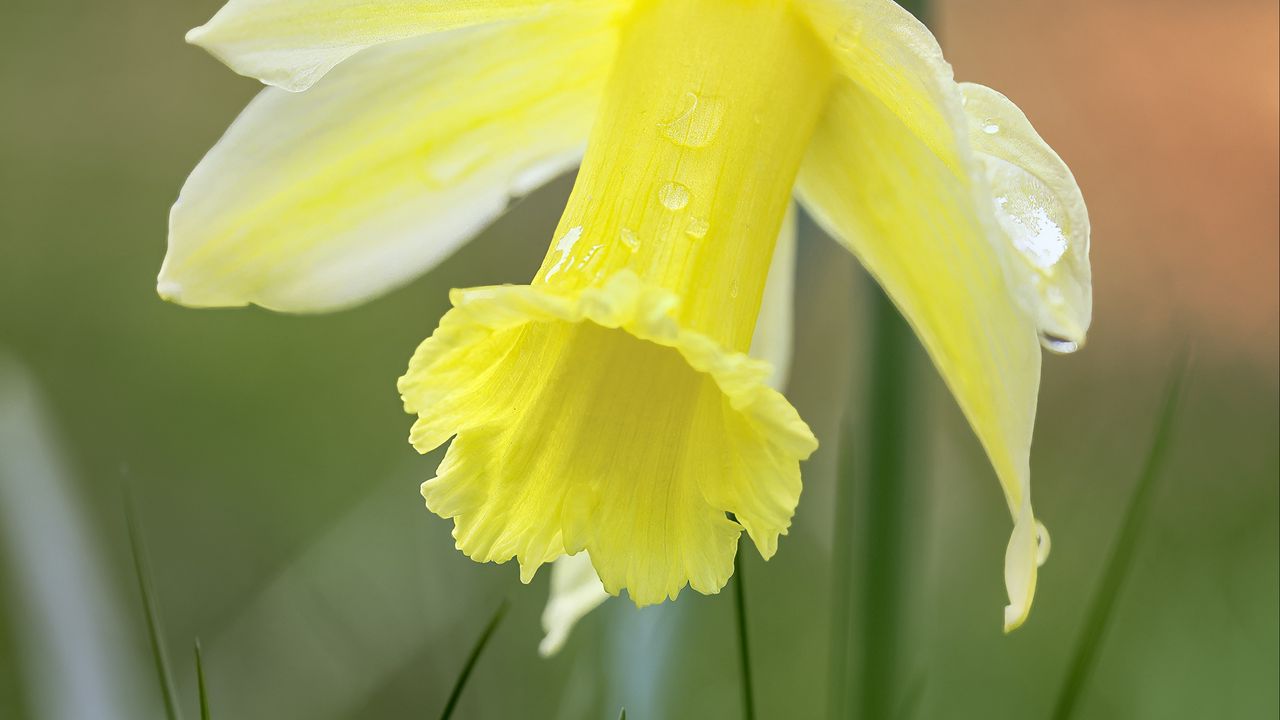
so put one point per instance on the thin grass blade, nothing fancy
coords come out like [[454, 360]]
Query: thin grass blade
[[744, 649], [470, 665], [204, 691], [164, 673], [1111, 585], [622, 715]]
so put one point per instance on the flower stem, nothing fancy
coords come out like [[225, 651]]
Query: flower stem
[[744, 649]]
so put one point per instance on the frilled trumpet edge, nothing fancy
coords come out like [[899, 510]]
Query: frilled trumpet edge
[[556, 400]]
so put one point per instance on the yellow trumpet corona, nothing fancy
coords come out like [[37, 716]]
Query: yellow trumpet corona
[[611, 406]]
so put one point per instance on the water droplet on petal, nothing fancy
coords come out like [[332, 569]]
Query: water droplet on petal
[[696, 122], [1031, 229], [698, 228], [991, 128], [1055, 344], [674, 196], [591, 253], [630, 240], [564, 246]]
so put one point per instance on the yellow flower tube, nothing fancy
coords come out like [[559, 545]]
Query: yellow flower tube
[[610, 406]]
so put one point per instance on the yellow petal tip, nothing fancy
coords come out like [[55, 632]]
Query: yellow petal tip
[[169, 291]]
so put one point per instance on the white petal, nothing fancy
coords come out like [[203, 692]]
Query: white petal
[[575, 591], [293, 43], [772, 340], [320, 200]]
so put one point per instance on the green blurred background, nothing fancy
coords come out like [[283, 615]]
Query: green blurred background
[[279, 499]]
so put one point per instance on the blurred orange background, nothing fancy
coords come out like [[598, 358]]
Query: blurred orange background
[[1168, 114]]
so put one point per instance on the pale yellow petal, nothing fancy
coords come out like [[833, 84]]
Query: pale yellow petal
[[918, 226], [897, 174], [772, 340], [292, 43], [892, 57], [319, 200], [575, 591], [1041, 210]]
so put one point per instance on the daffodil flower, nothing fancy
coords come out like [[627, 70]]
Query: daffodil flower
[[610, 406]]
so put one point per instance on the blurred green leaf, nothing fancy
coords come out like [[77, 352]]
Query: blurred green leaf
[[163, 672], [1113, 577], [470, 665]]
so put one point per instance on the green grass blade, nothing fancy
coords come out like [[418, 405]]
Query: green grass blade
[[744, 649], [1110, 586], [163, 672], [204, 691], [622, 715], [470, 665]]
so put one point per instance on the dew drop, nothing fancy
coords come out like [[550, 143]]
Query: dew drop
[[991, 128], [564, 246], [674, 196], [1032, 230], [698, 228], [733, 291], [630, 240], [696, 122], [589, 255], [1055, 344]]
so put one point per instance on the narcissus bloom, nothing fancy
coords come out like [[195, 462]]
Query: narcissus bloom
[[610, 406]]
